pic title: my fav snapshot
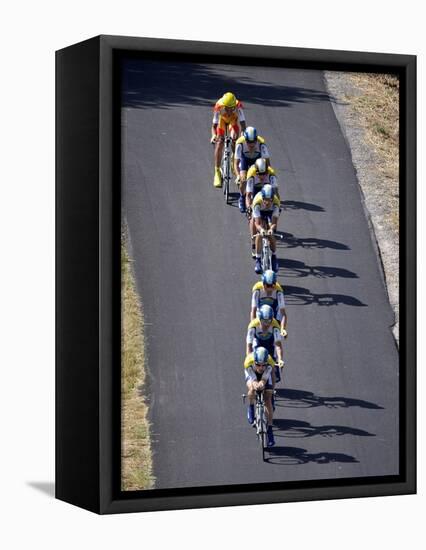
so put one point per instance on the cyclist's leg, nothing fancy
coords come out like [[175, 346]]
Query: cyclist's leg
[[252, 232], [268, 405], [234, 132], [243, 174], [259, 241], [251, 398], [273, 246], [258, 252], [218, 152], [251, 394]]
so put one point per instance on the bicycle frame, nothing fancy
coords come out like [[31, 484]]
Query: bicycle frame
[[226, 165], [266, 254], [261, 421], [266, 257]]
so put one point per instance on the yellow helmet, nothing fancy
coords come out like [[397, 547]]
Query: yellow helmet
[[229, 100]]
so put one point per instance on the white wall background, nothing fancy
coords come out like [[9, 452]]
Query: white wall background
[[30, 33]]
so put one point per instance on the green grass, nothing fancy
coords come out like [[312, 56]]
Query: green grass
[[136, 455]]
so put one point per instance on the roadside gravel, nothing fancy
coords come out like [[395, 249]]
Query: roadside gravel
[[378, 183]]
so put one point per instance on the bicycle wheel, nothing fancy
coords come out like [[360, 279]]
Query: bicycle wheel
[[264, 432], [266, 258], [261, 424], [227, 177], [261, 432]]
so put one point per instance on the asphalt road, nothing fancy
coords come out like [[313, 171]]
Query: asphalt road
[[337, 410]]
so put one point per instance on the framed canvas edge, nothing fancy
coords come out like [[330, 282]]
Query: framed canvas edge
[[110, 499]]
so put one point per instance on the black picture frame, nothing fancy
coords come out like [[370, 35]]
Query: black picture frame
[[88, 276]]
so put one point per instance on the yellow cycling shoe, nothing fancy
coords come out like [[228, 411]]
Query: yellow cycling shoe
[[217, 182]]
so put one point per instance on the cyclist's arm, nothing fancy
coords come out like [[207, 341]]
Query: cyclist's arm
[[281, 307], [259, 226], [273, 226], [249, 199], [257, 219], [254, 304], [249, 191], [284, 318], [249, 340], [278, 345], [214, 128], [264, 153], [274, 184], [266, 374], [237, 157], [241, 119]]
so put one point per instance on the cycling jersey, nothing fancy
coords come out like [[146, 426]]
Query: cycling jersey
[[255, 183], [269, 338], [259, 207], [220, 114], [259, 151], [252, 375], [275, 299]]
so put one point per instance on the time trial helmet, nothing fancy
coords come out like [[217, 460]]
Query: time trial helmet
[[269, 277], [250, 134], [267, 192], [261, 166], [229, 100], [260, 356], [266, 313]]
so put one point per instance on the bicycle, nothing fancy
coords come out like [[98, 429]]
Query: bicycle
[[226, 168], [266, 254], [260, 420]]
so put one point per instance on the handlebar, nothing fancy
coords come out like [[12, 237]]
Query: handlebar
[[266, 235]]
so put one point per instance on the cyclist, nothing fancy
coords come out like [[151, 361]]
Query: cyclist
[[258, 175], [227, 113], [265, 331], [269, 292], [249, 147], [258, 368], [266, 211]]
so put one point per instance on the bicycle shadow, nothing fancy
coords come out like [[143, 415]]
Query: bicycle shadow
[[290, 241], [298, 296], [298, 205], [296, 456], [297, 428], [299, 399], [233, 199], [295, 268]]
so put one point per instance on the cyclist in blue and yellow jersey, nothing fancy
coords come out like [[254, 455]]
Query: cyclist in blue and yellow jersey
[[258, 368], [269, 292], [227, 113], [265, 331], [266, 212], [258, 175], [248, 149]]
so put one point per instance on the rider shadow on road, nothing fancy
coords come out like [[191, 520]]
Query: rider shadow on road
[[290, 241], [295, 268], [298, 428], [298, 296], [233, 198], [295, 456], [299, 399], [298, 205]]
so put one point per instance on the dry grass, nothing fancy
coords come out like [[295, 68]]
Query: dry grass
[[378, 110], [136, 457]]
